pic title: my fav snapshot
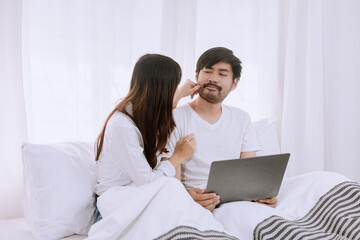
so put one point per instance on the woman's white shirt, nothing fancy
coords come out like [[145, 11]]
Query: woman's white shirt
[[122, 161]]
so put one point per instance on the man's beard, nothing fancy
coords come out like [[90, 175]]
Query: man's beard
[[212, 96]]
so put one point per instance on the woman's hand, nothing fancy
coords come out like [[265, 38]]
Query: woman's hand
[[184, 149], [189, 88]]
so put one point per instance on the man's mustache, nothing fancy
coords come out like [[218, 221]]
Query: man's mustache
[[211, 84]]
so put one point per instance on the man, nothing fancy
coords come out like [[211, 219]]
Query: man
[[221, 132]]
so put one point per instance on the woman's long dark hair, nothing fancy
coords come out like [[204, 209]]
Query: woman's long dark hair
[[153, 84]]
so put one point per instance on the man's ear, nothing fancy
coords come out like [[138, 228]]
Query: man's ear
[[235, 83]]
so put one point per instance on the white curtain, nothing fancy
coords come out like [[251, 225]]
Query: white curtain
[[12, 109], [342, 86], [321, 101], [78, 58], [299, 68], [298, 57]]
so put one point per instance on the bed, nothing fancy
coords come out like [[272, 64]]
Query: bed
[[58, 202], [17, 229]]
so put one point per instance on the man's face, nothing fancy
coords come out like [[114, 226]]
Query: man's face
[[216, 82]]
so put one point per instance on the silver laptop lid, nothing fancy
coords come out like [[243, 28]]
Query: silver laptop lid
[[247, 179]]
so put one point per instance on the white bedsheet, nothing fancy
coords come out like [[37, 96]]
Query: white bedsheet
[[148, 211], [154, 209], [17, 229]]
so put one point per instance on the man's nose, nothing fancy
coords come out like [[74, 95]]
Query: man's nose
[[214, 78]]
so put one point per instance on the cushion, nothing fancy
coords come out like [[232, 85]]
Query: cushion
[[268, 137], [59, 181]]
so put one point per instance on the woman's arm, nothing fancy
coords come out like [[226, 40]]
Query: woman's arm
[[184, 149], [248, 154], [178, 173], [189, 88], [125, 148]]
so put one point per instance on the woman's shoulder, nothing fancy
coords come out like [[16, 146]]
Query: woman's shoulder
[[121, 125], [120, 120]]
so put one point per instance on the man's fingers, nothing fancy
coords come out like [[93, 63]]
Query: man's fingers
[[199, 194], [268, 205], [205, 196], [199, 190], [210, 202], [268, 200], [272, 200], [206, 200], [212, 206]]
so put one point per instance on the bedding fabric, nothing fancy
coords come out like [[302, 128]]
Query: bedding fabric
[[59, 183], [17, 229], [164, 210], [152, 210]]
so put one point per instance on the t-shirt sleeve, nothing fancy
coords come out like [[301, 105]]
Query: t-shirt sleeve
[[250, 140], [176, 135], [126, 147], [170, 146], [166, 167]]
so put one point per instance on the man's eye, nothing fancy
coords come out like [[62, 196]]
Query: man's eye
[[207, 71], [224, 75]]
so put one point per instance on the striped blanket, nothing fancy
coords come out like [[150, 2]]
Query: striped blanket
[[187, 232], [335, 216]]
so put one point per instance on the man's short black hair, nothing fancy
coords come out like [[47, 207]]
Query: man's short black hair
[[219, 54]]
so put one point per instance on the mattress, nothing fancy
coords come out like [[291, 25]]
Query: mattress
[[17, 229]]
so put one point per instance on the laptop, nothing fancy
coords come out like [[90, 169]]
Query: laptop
[[247, 179]]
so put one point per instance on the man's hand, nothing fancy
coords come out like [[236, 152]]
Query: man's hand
[[207, 200], [271, 202]]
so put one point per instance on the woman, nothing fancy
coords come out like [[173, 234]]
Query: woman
[[137, 130], [128, 150]]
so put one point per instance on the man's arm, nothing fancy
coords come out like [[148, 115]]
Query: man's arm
[[206, 200], [248, 154]]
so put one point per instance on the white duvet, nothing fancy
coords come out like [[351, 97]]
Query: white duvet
[[161, 208]]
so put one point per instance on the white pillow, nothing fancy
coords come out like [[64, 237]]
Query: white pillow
[[268, 137], [59, 181]]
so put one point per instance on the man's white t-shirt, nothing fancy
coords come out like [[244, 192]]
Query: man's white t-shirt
[[232, 134]]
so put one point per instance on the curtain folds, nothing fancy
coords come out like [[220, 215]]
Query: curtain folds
[[298, 59], [12, 109], [320, 87], [302, 130]]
